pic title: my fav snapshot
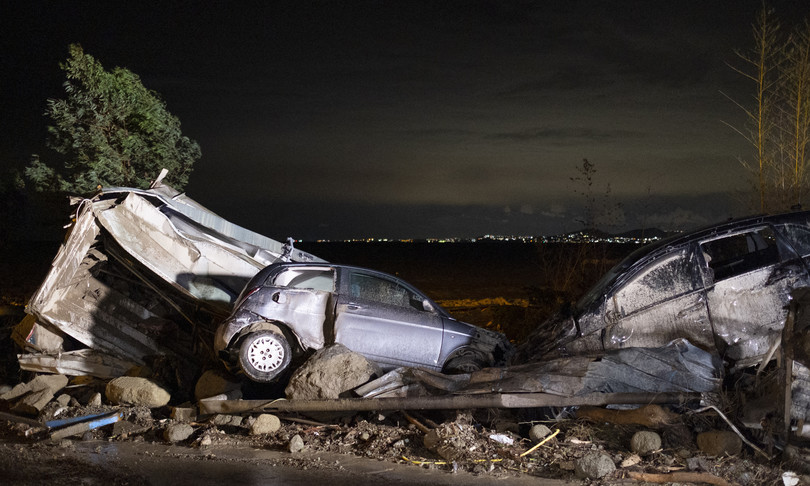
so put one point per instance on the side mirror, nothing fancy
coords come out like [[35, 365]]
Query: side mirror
[[427, 306]]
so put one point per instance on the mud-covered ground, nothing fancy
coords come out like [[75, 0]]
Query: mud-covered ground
[[486, 444]]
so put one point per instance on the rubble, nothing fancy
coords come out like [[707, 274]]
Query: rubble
[[30, 398], [142, 273]]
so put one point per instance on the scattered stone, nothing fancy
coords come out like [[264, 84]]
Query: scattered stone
[[538, 432], [296, 444], [95, 400], [331, 372], [136, 391], [184, 414], [645, 442], [178, 432], [226, 420], [63, 399], [719, 443], [215, 382], [265, 424], [594, 465]]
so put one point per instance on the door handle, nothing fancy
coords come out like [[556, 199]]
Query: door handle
[[353, 306]]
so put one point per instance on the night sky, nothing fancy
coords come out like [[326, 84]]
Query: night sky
[[331, 120]]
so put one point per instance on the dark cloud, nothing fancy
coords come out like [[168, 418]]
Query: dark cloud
[[415, 118]]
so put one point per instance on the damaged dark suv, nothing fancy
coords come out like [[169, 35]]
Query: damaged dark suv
[[289, 308], [724, 288]]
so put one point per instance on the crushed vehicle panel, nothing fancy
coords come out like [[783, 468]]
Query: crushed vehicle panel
[[308, 306]]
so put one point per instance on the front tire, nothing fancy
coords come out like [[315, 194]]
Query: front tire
[[467, 362], [264, 355]]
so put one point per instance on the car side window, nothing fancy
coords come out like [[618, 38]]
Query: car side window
[[306, 278], [664, 278], [741, 253], [372, 288], [799, 237]]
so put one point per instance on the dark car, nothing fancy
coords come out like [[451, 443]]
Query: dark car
[[724, 288], [289, 308]]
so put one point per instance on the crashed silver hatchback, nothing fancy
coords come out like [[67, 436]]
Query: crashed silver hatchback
[[724, 288], [290, 308]]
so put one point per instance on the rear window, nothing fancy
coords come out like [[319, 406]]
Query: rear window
[[306, 278], [741, 253]]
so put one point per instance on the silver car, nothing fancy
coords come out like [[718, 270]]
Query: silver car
[[290, 308]]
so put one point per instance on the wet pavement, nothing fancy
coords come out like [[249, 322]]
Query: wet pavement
[[141, 463]]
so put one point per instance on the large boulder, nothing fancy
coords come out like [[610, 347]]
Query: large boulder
[[331, 372], [136, 391]]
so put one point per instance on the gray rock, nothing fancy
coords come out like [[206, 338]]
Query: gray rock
[[594, 465], [136, 391], [63, 399], [538, 432], [95, 400], [296, 444], [645, 442], [265, 424], [330, 372], [215, 382], [177, 432], [184, 413], [227, 420], [719, 443]]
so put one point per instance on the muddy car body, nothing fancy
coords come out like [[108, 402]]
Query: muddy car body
[[287, 309], [724, 288]]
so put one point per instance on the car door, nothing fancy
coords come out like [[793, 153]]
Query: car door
[[661, 300], [748, 288], [385, 320]]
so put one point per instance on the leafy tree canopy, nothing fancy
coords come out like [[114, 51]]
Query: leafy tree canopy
[[110, 131]]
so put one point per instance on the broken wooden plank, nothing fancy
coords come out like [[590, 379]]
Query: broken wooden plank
[[451, 402]]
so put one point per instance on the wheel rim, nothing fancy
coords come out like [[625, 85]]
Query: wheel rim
[[265, 354]]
